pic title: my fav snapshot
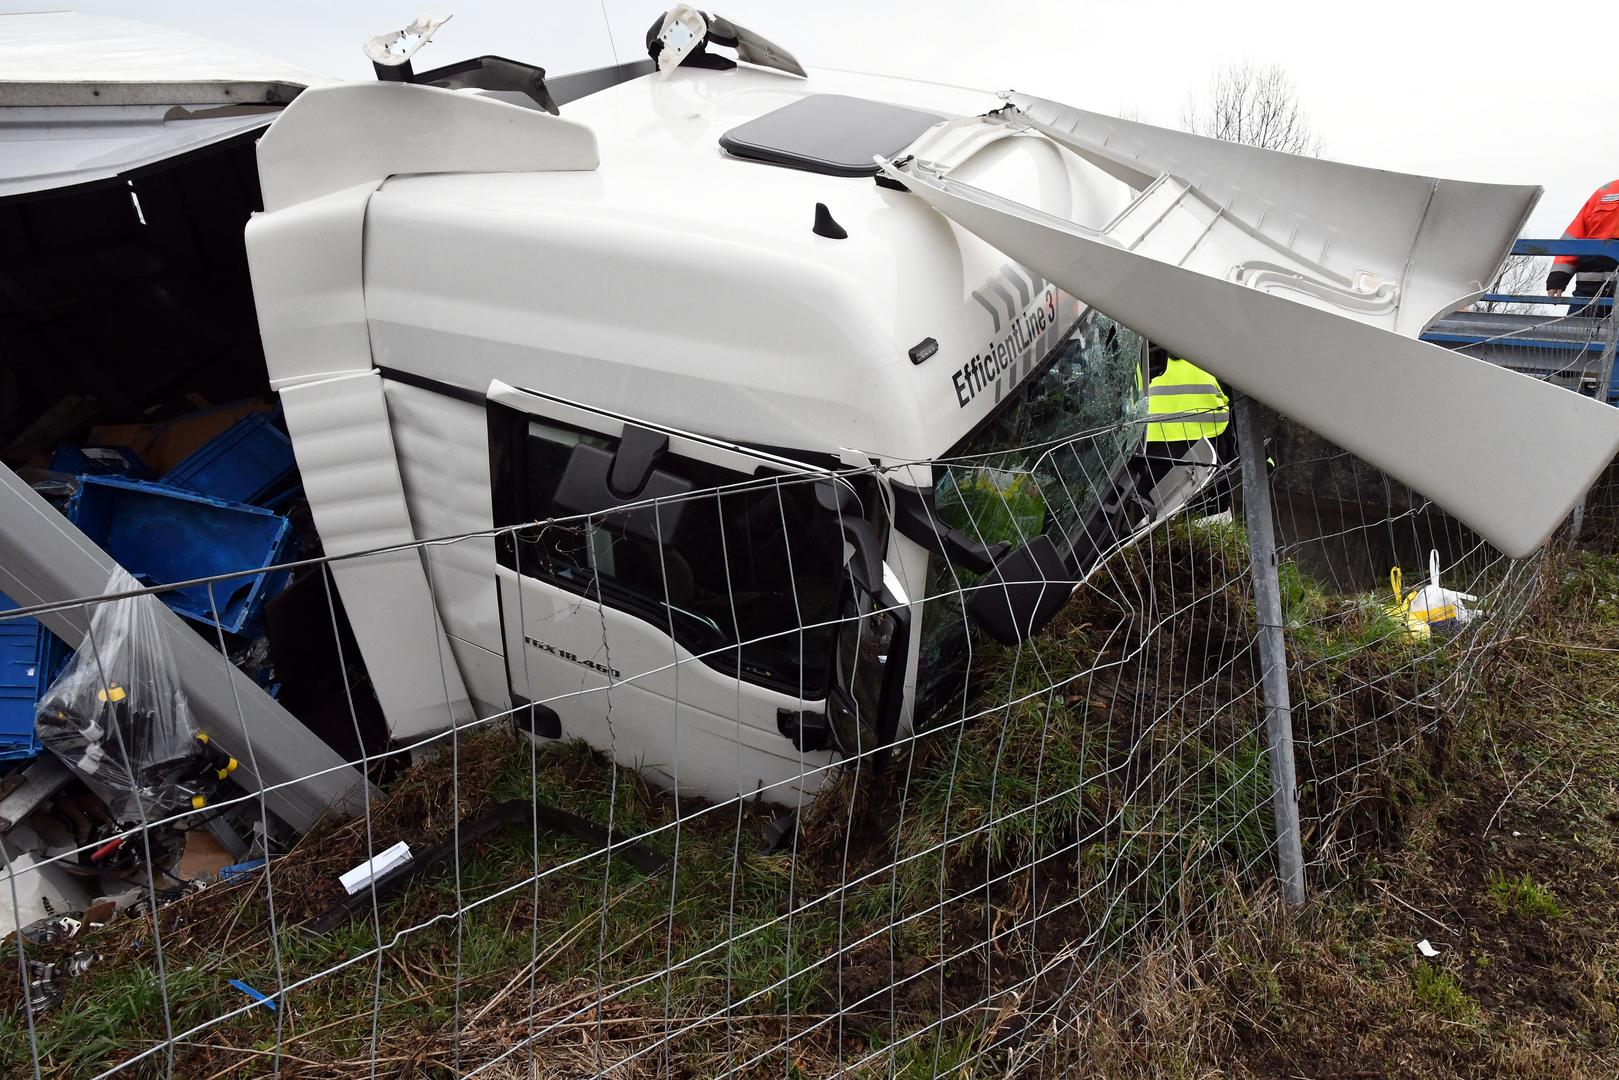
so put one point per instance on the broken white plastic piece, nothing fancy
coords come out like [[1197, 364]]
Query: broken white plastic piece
[[1427, 949], [363, 875], [684, 28], [755, 48], [393, 49]]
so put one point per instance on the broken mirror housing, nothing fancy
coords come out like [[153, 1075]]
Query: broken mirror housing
[[1022, 592]]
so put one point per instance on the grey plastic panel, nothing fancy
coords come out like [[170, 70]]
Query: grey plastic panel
[[829, 133]]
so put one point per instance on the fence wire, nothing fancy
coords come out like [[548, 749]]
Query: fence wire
[[674, 887]]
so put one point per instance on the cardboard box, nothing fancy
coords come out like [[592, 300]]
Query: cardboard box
[[164, 445]]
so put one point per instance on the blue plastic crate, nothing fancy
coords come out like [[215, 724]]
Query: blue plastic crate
[[30, 659], [161, 535], [100, 461], [53, 657], [244, 463]]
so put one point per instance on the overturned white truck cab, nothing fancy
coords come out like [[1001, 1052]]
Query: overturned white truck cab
[[709, 326]]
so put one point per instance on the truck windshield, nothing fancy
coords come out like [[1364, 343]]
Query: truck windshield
[[1038, 464]]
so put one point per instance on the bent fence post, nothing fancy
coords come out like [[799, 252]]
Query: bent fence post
[[1256, 506]]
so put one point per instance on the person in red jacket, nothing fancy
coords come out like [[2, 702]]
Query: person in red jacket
[[1598, 219]]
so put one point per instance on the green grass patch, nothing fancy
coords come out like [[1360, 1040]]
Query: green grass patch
[[1438, 991], [1522, 896]]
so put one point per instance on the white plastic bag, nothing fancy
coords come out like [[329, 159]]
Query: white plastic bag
[[1441, 608], [119, 719]]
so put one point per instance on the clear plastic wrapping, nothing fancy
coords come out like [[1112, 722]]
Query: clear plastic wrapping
[[118, 717]]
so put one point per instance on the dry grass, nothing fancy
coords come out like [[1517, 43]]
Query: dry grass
[[1526, 811]]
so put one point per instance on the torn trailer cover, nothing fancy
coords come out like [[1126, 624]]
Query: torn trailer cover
[[480, 315], [95, 100]]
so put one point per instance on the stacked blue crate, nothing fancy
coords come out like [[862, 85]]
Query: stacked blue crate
[[162, 535], [206, 516], [100, 460], [30, 658], [246, 463]]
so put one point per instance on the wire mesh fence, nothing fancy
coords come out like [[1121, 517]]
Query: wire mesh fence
[[1375, 696], [740, 804]]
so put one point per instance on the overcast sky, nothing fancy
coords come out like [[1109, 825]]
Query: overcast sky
[[1482, 90]]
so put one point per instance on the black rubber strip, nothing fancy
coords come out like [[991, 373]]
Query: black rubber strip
[[511, 812]]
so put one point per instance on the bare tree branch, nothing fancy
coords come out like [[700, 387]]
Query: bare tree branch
[[1521, 275], [1256, 106]]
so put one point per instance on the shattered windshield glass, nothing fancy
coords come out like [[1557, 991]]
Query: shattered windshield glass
[[1037, 465], [1034, 466]]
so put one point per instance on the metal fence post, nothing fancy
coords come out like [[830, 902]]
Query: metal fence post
[[1256, 508]]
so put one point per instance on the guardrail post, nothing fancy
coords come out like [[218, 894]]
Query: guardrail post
[[1605, 383], [1256, 508], [1576, 521]]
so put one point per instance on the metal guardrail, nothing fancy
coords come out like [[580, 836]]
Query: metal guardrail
[[1447, 337], [1564, 301], [1564, 345], [1588, 248], [1610, 248]]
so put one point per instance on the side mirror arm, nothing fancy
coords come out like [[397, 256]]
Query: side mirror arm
[[916, 516]]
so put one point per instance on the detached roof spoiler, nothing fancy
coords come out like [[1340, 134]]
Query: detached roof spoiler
[[1304, 283], [336, 137]]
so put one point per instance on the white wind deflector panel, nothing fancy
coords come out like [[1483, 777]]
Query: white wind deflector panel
[[1304, 283], [1429, 243], [350, 470]]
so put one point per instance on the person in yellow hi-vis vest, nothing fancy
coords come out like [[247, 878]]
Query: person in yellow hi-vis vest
[[1185, 404], [1190, 401]]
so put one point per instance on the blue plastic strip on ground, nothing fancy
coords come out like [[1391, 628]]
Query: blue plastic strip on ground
[[254, 994], [241, 869]]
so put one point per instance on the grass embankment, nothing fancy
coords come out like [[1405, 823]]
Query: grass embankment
[[1507, 864], [1066, 855]]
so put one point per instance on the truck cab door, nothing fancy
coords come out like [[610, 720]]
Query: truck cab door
[[681, 602]]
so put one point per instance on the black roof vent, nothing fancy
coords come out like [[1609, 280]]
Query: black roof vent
[[829, 133]]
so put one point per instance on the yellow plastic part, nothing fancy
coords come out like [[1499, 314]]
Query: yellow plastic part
[[1416, 627], [198, 802], [111, 693], [1443, 613]]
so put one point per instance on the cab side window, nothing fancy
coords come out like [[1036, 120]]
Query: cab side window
[[743, 570]]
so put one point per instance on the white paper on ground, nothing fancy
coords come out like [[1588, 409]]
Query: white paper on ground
[[361, 876]]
